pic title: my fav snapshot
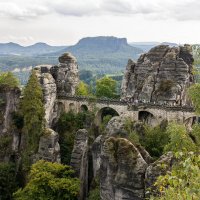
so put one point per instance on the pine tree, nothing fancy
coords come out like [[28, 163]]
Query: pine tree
[[33, 113]]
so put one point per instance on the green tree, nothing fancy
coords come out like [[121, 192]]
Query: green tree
[[8, 80], [49, 181], [82, 89], [182, 183], [32, 110], [179, 139], [106, 87], [194, 93], [8, 183]]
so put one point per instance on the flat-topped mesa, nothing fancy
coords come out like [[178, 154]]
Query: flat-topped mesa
[[161, 76]]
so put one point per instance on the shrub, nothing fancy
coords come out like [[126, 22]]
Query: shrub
[[8, 183], [182, 182], [67, 126], [8, 80], [165, 85], [153, 139], [49, 181], [179, 139]]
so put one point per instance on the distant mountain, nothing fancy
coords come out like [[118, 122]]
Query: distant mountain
[[170, 44], [146, 46], [36, 49], [102, 53]]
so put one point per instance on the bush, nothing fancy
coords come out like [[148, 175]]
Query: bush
[[153, 139], [67, 126], [182, 182], [49, 181], [8, 80], [195, 135], [179, 139], [94, 193], [165, 85], [8, 183]]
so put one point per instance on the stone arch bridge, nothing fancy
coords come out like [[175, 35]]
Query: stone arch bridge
[[148, 112]]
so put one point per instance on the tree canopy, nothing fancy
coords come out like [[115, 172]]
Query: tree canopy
[[82, 89], [194, 93], [8, 80], [49, 181], [106, 87], [33, 110]]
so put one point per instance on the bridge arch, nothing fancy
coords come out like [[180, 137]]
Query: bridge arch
[[104, 112], [147, 117], [191, 120], [83, 108], [72, 107]]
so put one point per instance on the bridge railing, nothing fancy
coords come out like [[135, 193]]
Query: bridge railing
[[131, 106]]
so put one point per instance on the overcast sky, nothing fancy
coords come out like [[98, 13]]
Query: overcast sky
[[64, 22]]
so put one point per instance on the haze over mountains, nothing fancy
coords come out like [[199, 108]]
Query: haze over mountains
[[102, 55], [35, 49], [95, 53]]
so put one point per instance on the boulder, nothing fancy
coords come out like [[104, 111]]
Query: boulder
[[156, 169], [122, 171]]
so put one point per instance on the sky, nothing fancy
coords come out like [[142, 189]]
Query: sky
[[64, 22]]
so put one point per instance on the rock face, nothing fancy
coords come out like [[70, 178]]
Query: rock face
[[49, 91], [122, 171], [9, 137], [96, 154], [162, 75], [66, 74], [116, 126], [49, 148], [79, 161], [158, 168]]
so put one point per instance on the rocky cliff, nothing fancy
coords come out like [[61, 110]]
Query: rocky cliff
[[9, 137], [66, 74], [162, 76], [55, 80]]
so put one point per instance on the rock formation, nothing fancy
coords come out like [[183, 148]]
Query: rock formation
[[116, 126], [66, 74], [162, 76], [49, 92], [158, 168], [9, 137], [79, 160], [55, 80], [49, 148], [96, 154], [122, 171], [60, 79]]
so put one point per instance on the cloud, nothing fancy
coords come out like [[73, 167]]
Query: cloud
[[74, 8], [20, 12], [157, 9]]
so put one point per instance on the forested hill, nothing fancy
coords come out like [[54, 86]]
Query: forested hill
[[106, 54], [35, 49], [100, 54]]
